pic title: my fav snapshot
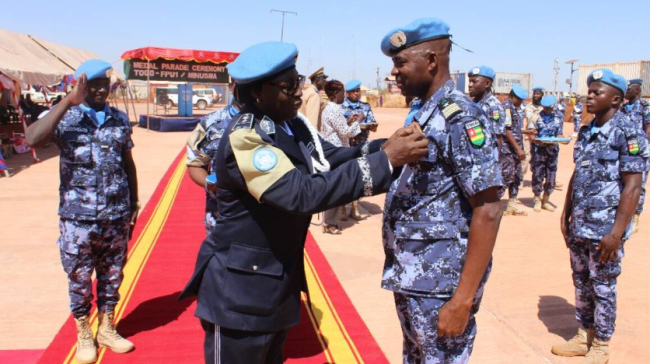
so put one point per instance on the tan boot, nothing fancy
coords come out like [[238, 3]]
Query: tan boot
[[546, 204], [576, 346], [538, 204], [635, 224], [86, 349], [512, 209], [107, 337], [598, 353], [343, 214], [355, 213]]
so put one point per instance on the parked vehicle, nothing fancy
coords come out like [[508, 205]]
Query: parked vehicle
[[168, 97], [42, 97]]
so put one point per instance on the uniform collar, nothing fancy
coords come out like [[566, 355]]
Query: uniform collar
[[98, 117], [432, 104], [485, 97], [605, 129]]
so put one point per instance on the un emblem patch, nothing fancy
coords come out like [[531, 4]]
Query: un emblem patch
[[265, 159]]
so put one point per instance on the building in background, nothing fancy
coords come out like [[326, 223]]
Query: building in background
[[629, 70]]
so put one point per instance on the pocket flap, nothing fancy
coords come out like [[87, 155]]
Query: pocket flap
[[429, 230], [604, 201], [253, 260], [84, 181], [609, 155]]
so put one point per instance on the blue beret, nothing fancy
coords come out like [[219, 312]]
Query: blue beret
[[484, 71], [416, 32], [94, 68], [548, 101], [538, 88], [520, 92], [636, 81], [261, 61], [353, 85], [606, 76]]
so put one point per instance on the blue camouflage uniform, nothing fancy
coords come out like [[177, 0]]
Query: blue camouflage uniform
[[492, 107], [350, 108], [639, 113], [601, 156], [202, 147], [94, 204], [511, 168], [426, 222], [560, 109], [545, 156], [578, 108]]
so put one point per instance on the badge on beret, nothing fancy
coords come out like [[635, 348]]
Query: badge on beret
[[475, 133], [449, 109], [633, 146], [598, 75], [398, 39], [267, 125], [265, 159], [244, 122], [495, 114], [476, 71]]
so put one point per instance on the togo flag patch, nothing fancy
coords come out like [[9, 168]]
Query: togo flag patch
[[508, 118], [633, 146], [495, 114], [449, 109], [475, 133]]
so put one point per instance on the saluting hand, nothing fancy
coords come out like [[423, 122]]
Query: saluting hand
[[80, 91]]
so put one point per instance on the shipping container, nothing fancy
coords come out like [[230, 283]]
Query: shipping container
[[502, 84], [629, 70]]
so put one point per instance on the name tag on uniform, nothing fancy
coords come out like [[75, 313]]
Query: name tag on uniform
[[105, 146], [311, 147], [586, 163], [75, 129]]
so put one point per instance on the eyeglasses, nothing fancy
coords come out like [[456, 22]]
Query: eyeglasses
[[290, 88]]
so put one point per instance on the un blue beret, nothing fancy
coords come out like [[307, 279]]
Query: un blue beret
[[484, 71], [520, 92], [416, 32], [606, 76], [94, 68], [261, 61], [353, 85], [538, 88], [548, 101], [636, 81]]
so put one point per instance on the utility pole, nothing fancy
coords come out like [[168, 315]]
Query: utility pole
[[570, 80], [283, 13], [556, 69], [378, 88]]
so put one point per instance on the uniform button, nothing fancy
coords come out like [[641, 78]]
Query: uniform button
[[254, 267]]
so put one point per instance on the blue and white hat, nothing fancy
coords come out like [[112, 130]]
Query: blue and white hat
[[418, 31], [262, 60]]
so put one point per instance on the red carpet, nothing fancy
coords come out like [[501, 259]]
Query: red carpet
[[161, 259]]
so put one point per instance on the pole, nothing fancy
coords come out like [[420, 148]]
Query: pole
[[148, 91], [283, 13]]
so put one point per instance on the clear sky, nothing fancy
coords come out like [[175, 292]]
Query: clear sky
[[344, 36]]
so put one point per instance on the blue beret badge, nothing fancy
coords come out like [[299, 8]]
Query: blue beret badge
[[598, 75], [398, 39], [265, 159], [475, 133]]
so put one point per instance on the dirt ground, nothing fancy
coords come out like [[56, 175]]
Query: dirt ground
[[528, 304]]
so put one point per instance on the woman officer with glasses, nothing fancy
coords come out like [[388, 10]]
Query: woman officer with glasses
[[274, 172]]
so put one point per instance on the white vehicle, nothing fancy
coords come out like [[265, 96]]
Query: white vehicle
[[42, 97], [168, 97]]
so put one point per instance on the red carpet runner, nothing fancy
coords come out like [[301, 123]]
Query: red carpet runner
[[160, 261]]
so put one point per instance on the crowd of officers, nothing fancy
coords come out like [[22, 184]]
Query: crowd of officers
[[266, 170]]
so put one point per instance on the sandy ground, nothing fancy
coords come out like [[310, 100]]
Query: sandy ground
[[528, 304]]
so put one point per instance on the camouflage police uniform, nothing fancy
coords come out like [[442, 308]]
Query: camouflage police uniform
[[426, 223], [601, 157], [511, 168], [560, 109], [350, 108], [202, 147], [545, 156], [94, 205], [639, 113], [493, 108], [578, 108]]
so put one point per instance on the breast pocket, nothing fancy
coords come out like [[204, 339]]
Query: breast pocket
[[607, 165], [77, 148], [254, 281]]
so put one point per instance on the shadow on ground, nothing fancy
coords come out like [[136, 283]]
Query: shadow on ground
[[558, 315], [20, 162], [154, 313]]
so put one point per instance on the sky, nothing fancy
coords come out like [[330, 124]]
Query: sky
[[344, 36]]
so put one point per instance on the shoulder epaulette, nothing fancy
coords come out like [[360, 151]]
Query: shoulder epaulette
[[449, 108], [245, 121], [644, 102]]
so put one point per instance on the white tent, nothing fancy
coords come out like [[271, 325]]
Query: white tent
[[36, 61]]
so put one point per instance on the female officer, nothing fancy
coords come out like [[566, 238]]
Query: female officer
[[249, 273]]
